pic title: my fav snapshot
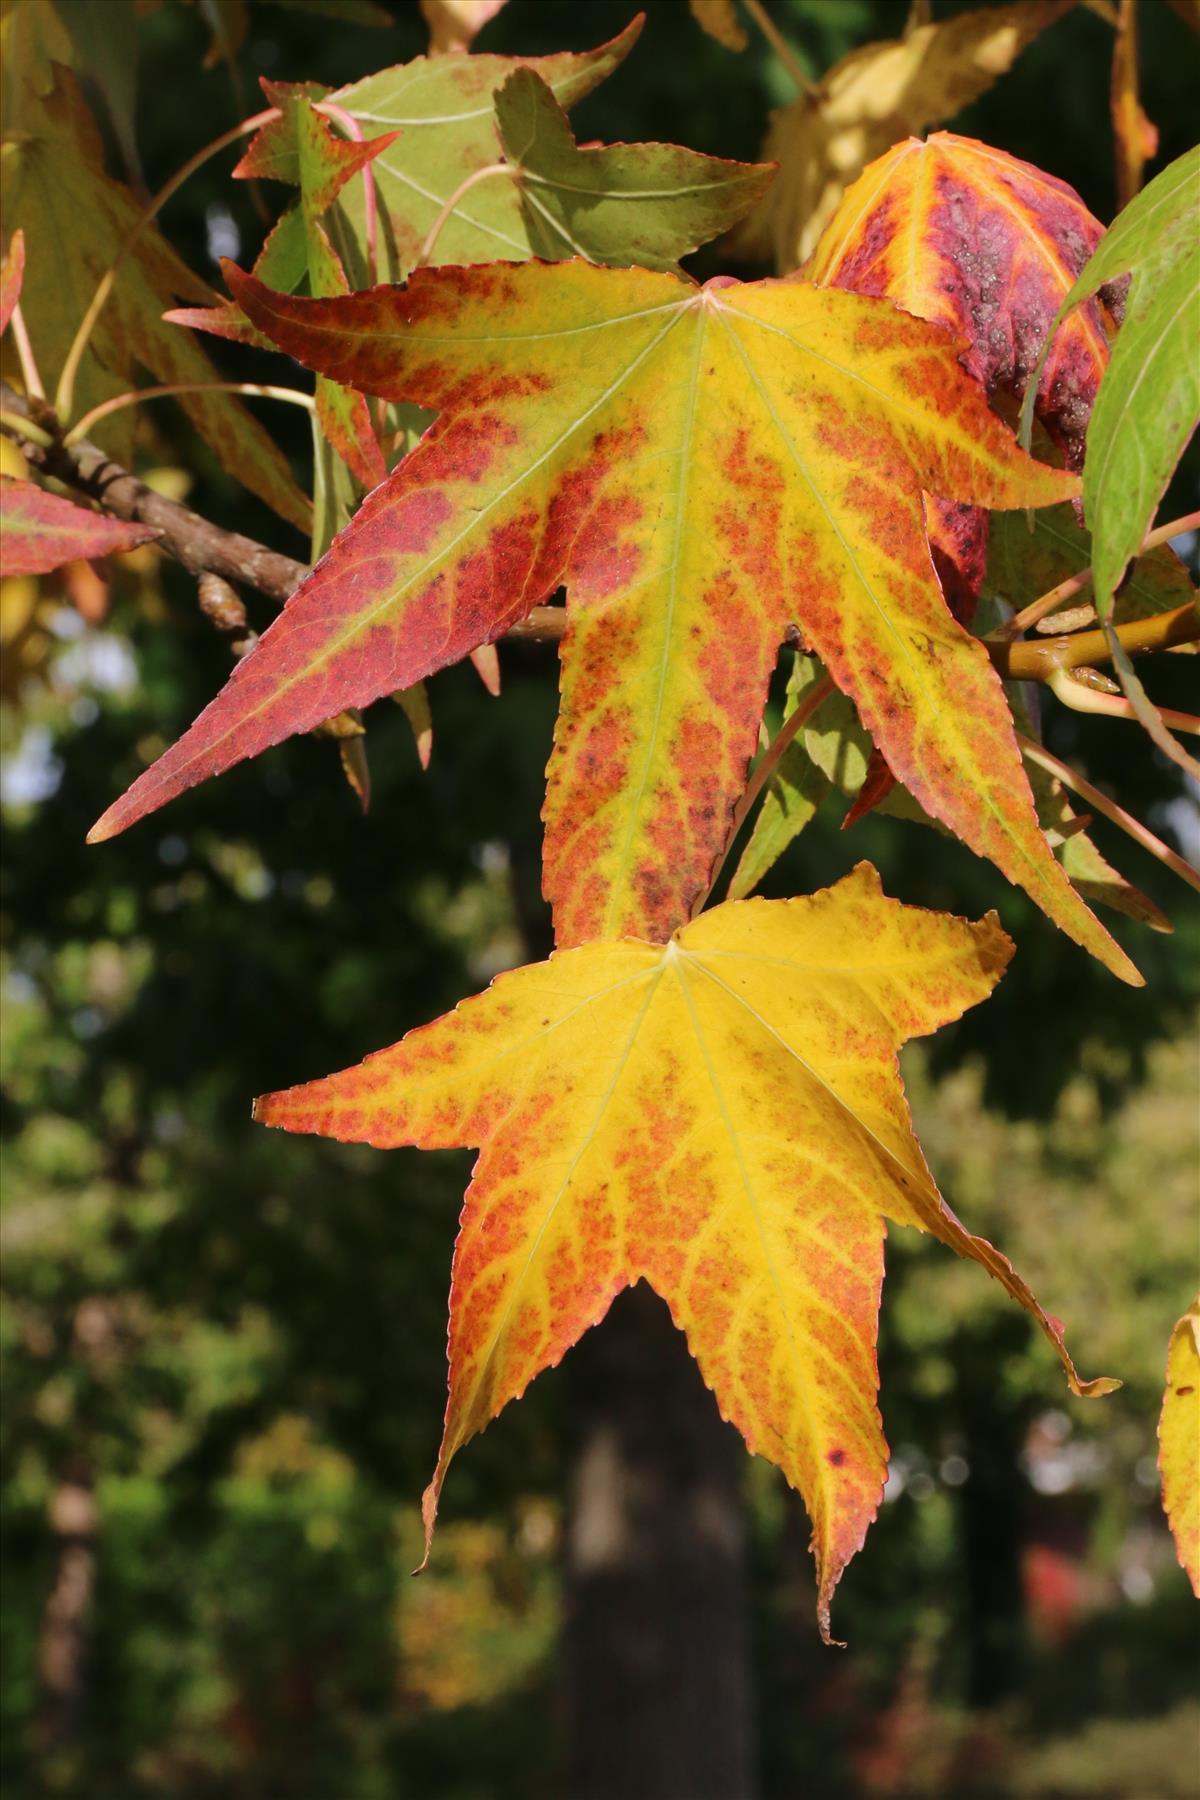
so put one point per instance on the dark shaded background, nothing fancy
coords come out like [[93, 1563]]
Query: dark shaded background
[[224, 1350]]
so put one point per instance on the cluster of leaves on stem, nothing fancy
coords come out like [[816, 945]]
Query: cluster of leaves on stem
[[519, 396]]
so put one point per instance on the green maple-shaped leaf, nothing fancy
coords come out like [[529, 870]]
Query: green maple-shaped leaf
[[833, 754], [1023, 564], [444, 108], [647, 204], [700, 466]]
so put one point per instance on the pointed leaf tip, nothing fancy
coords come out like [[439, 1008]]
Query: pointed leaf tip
[[40, 531]]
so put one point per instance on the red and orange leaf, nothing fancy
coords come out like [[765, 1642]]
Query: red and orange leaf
[[40, 532], [700, 466], [967, 236], [12, 269], [1179, 1442], [721, 1116]]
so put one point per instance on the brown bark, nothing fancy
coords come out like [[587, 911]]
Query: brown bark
[[657, 1634], [201, 546]]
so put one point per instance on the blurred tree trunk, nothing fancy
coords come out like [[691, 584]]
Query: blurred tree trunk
[[657, 1636], [992, 1523], [62, 1640]]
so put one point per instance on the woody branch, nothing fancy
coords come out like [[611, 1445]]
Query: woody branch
[[203, 547]]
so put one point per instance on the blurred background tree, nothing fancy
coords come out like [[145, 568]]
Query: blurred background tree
[[224, 1349]]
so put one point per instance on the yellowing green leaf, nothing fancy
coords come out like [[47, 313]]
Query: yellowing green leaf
[[873, 97], [615, 203], [1023, 564], [443, 107], [798, 786], [721, 1116], [701, 466], [301, 148], [1149, 399], [719, 18], [1179, 1442], [75, 220]]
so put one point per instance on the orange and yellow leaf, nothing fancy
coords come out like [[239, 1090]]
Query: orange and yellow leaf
[[1179, 1442], [721, 1116]]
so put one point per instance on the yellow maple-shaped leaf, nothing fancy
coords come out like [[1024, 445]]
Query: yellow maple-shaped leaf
[[874, 96], [1179, 1442], [721, 1116]]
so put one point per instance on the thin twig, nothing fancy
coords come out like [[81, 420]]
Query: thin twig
[[781, 47], [435, 230], [1140, 833], [26, 428], [65, 395], [25, 356], [1149, 716], [1075, 584], [1038, 659], [293, 396], [762, 773], [190, 539], [1082, 697]]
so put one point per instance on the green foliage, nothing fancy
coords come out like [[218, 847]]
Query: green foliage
[[1149, 400]]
